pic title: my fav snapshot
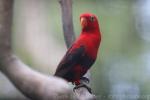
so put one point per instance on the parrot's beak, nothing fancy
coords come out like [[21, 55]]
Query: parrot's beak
[[83, 22]]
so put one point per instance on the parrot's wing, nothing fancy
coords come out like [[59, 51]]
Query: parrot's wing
[[71, 58]]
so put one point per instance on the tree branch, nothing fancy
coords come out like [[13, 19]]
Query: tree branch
[[66, 8], [31, 83]]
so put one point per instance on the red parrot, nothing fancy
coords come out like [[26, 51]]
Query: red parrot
[[83, 52]]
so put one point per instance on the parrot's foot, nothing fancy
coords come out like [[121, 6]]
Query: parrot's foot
[[82, 85], [84, 80]]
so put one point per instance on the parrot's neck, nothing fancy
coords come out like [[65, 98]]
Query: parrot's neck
[[94, 31], [91, 29]]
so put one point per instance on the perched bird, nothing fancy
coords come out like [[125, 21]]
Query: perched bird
[[83, 52]]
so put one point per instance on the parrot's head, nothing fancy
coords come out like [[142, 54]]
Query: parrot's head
[[89, 22]]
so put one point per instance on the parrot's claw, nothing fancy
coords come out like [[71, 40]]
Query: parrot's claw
[[83, 85], [85, 80]]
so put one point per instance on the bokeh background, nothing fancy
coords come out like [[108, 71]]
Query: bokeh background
[[122, 69]]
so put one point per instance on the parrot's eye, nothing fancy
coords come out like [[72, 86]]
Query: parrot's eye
[[92, 19]]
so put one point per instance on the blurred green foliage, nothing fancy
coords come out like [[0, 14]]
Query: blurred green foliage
[[120, 68]]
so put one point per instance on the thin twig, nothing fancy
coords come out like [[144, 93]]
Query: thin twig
[[67, 21]]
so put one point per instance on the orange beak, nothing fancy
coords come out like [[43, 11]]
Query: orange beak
[[83, 22]]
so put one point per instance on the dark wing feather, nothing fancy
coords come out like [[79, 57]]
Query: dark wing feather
[[71, 58]]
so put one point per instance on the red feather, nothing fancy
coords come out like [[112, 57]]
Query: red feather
[[83, 52]]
